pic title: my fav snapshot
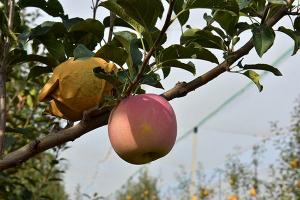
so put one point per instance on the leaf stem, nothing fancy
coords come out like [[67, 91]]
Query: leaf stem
[[265, 14], [95, 8]]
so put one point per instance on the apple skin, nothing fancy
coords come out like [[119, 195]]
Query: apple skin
[[142, 128]]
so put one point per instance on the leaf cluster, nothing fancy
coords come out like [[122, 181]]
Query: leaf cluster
[[225, 23]]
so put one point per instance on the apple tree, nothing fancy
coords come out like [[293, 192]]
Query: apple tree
[[129, 37]]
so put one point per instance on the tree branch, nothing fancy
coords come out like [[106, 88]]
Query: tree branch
[[3, 68], [54, 139], [293, 13], [90, 122]]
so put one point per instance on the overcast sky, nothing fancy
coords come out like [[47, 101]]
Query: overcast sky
[[243, 122]]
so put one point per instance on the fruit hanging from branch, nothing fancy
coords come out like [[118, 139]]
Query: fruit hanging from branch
[[233, 197], [252, 192], [73, 87], [142, 128]]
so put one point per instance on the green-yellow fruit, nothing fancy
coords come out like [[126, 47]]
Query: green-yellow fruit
[[294, 164], [73, 87], [252, 192], [233, 197]]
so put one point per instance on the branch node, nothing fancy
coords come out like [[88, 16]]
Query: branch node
[[94, 112], [34, 144]]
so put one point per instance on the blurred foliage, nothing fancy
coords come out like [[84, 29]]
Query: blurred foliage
[[78, 195], [40, 177], [145, 188]]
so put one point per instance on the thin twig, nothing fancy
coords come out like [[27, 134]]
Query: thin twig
[[11, 14], [95, 7], [292, 13], [111, 25], [151, 51], [3, 68]]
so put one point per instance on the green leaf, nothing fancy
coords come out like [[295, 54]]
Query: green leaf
[[82, 52], [252, 8], [31, 181], [51, 7], [255, 77], [110, 52], [170, 56], [48, 33], [264, 67], [274, 9], [129, 42], [117, 22], [23, 37], [55, 180], [230, 5], [244, 3], [18, 56], [110, 77], [166, 71], [181, 11], [295, 35], [151, 37], [116, 8], [89, 32], [152, 79], [297, 24], [29, 101], [134, 13], [68, 23], [49, 27], [217, 30], [263, 38], [25, 131], [135, 9], [243, 26], [177, 64], [191, 51], [136, 54], [37, 71], [55, 47], [89, 26], [209, 19], [122, 75], [227, 21], [281, 2], [71, 40], [204, 38], [235, 40]]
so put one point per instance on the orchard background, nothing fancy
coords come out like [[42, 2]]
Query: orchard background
[[31, 51]]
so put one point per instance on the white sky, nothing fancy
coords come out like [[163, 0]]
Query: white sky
[[238, 124]]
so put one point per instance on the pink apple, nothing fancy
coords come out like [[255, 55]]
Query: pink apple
[[142, 128]]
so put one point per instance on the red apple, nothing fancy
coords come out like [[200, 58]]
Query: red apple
[[142, 128]]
